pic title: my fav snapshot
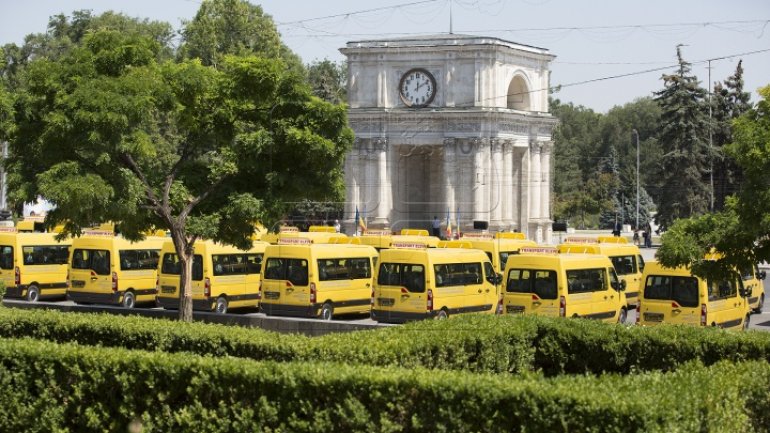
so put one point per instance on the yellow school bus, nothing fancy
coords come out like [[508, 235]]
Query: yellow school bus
[[223, 277], [33, 266], [626, 259], [109, 269], [415, 282], [317, 280], [676, 296], [498, 247], [542, 281]]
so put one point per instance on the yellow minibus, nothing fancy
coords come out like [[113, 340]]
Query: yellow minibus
[[542, 281], [415, 282], [33, 266], [223, 277], [626, 259], [317, 280], [109, 269], [676, 296]]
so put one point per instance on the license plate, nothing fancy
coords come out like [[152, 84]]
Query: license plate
[[272, 295], [653, 317], [78, 284], [386, 302], [167, 289], [514, 309]]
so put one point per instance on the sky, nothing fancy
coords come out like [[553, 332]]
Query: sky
[[608, 53]]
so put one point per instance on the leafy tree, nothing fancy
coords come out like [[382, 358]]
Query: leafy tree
[[729, 102], [609, 173], [682, 191], [329, 81], [740, 232], [222, 27], [109, 132]]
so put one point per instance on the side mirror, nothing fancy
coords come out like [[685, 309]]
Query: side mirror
[[762, 275], [619, 286], [497, 279], [746, 292]]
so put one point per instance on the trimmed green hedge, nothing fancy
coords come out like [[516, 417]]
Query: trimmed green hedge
[[473, 342], [46, 386]]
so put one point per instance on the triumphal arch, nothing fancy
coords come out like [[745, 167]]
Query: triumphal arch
[[449, 124]]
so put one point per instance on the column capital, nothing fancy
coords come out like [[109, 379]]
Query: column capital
[[450, 144], [496, 144], [535, 147]]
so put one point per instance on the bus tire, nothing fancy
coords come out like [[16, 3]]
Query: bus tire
[[442, 315], [33, 293], [221, 306], [761, 304], [129, 300], [746, 323], [327, 311]]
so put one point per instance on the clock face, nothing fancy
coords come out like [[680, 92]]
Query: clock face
[[417, 88]]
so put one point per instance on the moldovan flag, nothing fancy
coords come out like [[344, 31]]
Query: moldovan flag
[[360, 222], [448, 225]]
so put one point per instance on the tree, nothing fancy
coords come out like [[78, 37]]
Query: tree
[[683, 190], [223, 27], [329, 81], [739, 233], [729, 102], [109, 132]]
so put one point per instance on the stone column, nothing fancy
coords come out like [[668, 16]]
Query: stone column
[[381, 208], [534, 181], [521, 189], [352, 182], [496, 198], [507, 184], [545, 169], [450, 171], [479, 181]]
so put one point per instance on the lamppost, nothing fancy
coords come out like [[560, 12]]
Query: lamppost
[[637, 177]]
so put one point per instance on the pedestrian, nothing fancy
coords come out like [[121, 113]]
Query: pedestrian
[[636, 237], [648, 239], [436, 226], [337, 227], [616, 231]]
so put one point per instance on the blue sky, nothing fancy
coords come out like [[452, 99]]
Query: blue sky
[[593, 40]]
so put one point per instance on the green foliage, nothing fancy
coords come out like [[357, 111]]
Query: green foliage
[[328, 80], [234, 27], [70, 387], [475, 343], [584, 141], [740, 231], [729, 101], [682, 189]]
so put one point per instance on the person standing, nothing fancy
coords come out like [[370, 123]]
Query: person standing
[[436, 226], [337, 226], [648, 238]]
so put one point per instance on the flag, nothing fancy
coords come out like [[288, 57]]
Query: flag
[[448, 225], [360, 221], [457, 221]]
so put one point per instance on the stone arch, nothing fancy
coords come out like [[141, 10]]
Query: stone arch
[[518, 94]]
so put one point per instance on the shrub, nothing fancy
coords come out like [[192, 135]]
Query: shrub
[[51, 387]]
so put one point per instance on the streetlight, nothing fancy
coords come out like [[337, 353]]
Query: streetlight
[[637, 177]]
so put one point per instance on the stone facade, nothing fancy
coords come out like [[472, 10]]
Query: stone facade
[[481, 149]]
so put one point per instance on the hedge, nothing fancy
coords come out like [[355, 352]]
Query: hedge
[[474, 342], [46, 386]]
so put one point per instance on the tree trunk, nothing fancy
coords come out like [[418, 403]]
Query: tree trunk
[[184, 251]]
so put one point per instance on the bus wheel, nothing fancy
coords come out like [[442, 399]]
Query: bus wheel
[[746, 323], [761, 304], [442, 315], [623, 315], [327, 311], [129, 300], [221, 306], [33, 294]]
